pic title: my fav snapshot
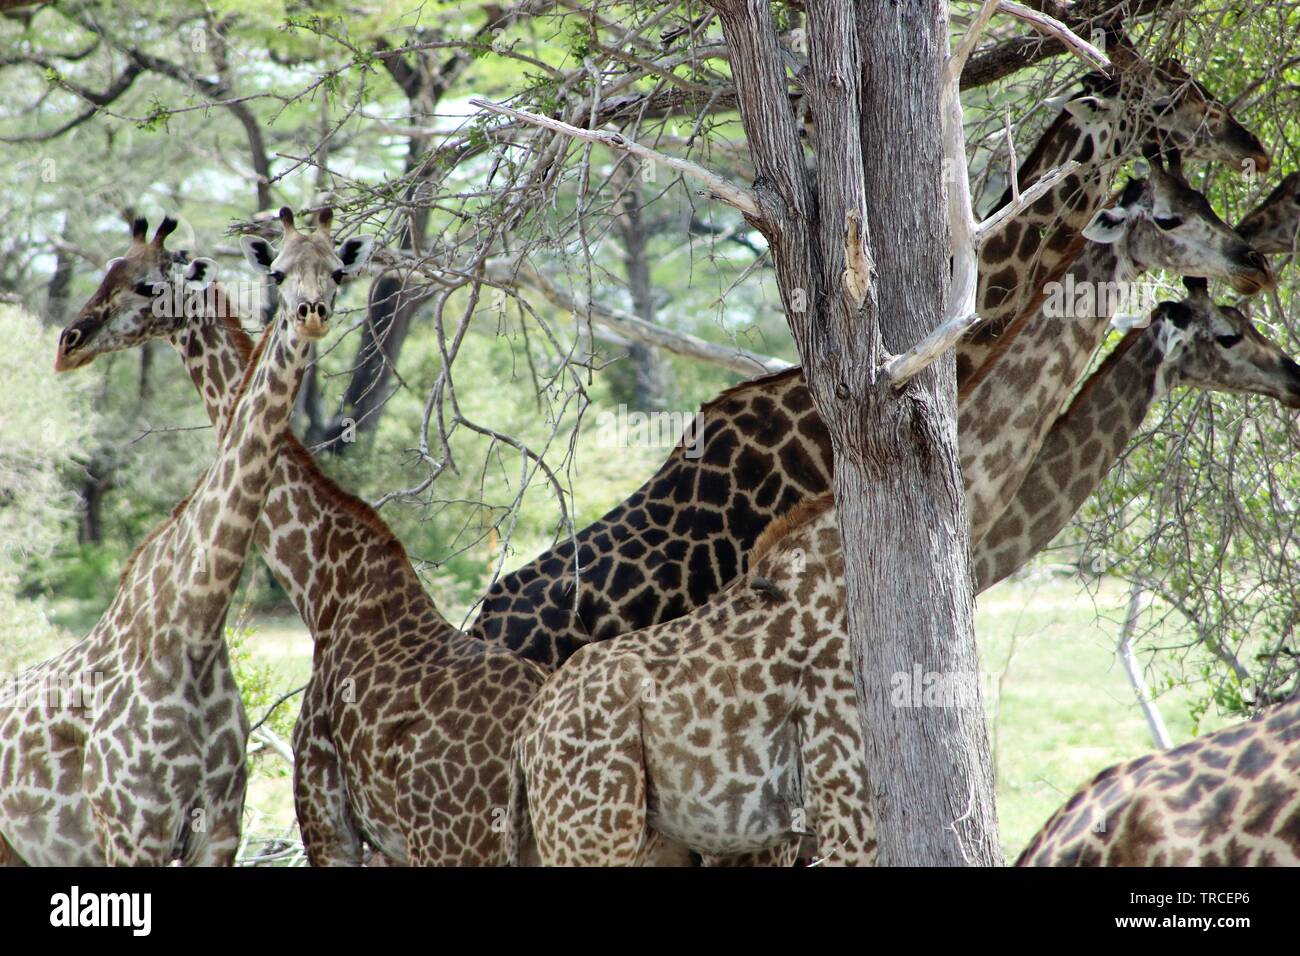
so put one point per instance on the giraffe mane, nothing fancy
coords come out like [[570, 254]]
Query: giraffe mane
[[162, 526], [157, 529], [289, 445], [767, 378], [794, 519]]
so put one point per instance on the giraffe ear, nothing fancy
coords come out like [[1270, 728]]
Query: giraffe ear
[[258, 252], [1127, 323], [1107, 226], [354, 253], [1176, 314], [199, 274], [1085, 107]]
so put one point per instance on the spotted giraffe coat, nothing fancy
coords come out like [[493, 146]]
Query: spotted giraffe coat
[[732, 730]]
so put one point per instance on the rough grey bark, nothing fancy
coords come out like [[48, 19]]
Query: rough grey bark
[[873, 85], [647, 386]]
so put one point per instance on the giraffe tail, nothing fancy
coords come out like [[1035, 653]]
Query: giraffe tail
[[519, 840]]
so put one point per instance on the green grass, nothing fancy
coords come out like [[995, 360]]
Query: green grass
[[1060, 707], [1065, 708]]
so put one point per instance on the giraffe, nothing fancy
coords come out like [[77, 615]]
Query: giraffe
[[1194, 342], [1272, 226], [1230, 798], [731, 730], [1158, 223], [143, 762], [760, 449], [404, 734], [1100, 129]]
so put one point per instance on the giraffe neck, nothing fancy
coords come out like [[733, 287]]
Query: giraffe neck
[[329, 550], [1007, 410], [215, 350], [1081, 447], [182, 578], [1017, 258]]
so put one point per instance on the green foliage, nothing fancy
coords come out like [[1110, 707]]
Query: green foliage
[[261, 687], [43, 428], [27, 635]]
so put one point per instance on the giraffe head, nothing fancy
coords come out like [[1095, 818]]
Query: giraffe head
[[1178, 111], [1162, 223], [308, 268], [1214, 346], [1271, 227], [137, 298]]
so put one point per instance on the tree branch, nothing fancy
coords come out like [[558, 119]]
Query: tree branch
[[97, 101], [715, 187], [632, 327], [1007, 57], [1054, 28], [1027, 198], [899, 369]]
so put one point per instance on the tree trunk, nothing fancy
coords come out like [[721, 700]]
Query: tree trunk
[[94, 488], [873, 82], [56, 293], [388, 320], [645, 384]]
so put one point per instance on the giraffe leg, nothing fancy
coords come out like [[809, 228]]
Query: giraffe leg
[[839, 802], [329, 832]]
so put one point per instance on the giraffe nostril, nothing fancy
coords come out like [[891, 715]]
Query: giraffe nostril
[[304, 310]]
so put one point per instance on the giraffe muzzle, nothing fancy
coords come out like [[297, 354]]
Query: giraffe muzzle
[[313, 319], [76, 335], [1253, 273]]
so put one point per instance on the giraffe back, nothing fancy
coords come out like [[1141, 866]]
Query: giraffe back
[[680, 537], [1230, 798]]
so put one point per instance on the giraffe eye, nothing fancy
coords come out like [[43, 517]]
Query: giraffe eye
[[277, 276], [338, 276], [145, 289], [1169, 222], [1227, 341]]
